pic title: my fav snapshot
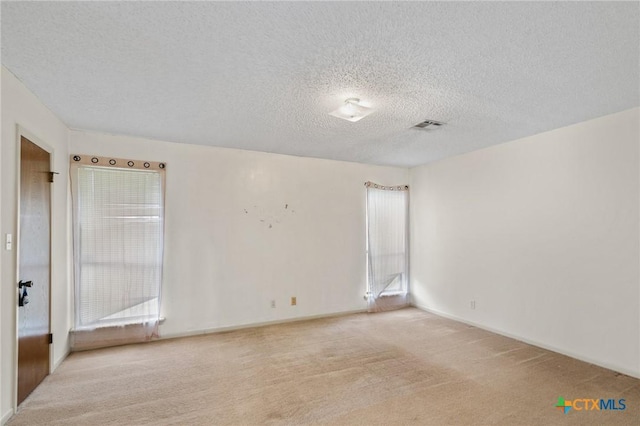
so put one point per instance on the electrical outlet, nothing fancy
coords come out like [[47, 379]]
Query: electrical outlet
[[473, 304], [273, 303], [293, 301]]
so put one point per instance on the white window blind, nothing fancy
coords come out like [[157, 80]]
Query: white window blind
[[118, 243]]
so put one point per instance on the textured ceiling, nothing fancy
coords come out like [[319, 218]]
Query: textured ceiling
[[264, 76]]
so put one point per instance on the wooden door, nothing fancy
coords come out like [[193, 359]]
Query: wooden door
[[34, 267]]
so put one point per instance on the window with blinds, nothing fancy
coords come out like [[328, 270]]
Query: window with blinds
[[387, 246], [118, 241]]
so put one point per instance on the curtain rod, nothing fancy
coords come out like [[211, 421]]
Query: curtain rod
[[122, 163], [387, 188]]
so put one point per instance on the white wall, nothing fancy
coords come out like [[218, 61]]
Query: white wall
[[21, 107], [543, 233], [244, 228]]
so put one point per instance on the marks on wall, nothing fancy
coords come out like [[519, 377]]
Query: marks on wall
[[270, 216]]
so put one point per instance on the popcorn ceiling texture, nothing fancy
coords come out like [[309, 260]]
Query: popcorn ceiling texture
[[264, 76]]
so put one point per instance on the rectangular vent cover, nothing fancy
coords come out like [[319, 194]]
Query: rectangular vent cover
[[428, 124]]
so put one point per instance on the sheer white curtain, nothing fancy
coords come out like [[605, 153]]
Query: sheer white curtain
[[118, 249], [387, 246]]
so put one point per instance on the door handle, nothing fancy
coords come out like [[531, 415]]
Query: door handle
[[25, 284], [23, 297]]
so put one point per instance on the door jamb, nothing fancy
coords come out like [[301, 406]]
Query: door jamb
[[20, 133]]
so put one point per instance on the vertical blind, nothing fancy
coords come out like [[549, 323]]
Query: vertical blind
[[387, 246], [118, 242]]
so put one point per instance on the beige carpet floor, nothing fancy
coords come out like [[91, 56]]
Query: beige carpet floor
[[393, 368]]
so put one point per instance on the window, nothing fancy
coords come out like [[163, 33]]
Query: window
[[118, 241], [387, 246]]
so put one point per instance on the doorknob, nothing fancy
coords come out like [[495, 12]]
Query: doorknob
[[25, 284]]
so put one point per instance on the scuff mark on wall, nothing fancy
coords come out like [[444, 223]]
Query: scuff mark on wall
[[270, 216]]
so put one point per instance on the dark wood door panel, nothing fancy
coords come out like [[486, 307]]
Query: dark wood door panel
[[32, 369], [34, 265]]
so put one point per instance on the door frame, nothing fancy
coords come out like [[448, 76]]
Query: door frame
[[20, 133]]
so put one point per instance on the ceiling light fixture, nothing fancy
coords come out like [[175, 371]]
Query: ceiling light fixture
[[352, 110]]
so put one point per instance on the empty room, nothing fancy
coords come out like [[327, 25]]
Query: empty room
[[349, 213]]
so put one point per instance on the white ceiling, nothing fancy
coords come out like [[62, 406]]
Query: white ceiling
[[264, 76]]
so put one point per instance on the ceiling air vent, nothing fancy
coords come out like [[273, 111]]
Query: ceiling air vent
[[428, 124]]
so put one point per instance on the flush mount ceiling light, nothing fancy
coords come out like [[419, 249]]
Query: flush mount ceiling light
[[352, 110]]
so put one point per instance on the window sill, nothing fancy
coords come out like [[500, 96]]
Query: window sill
[[112, 335], [393, 293]]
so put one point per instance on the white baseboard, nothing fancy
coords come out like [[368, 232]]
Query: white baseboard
[[257, 324], [6, 416], [542, 345]]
